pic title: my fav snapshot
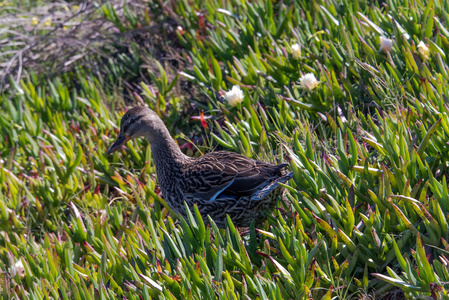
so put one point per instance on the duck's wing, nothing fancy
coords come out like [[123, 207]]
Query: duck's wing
[[227, 174]]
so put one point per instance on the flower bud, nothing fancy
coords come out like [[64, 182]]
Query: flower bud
[[386, 45], [296, 51], [423, 51]]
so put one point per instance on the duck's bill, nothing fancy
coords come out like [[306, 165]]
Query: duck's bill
[[121, 140]]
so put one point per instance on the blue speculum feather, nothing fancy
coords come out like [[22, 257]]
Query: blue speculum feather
[[221, 191], [226, 196]]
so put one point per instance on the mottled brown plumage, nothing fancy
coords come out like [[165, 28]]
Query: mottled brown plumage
[[219, 183]]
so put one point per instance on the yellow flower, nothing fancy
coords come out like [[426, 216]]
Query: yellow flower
[[296, 51], [34, 21], [423, 51], [47, 22], [75, 7]]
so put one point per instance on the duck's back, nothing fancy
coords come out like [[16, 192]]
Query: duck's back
[[233, 173]]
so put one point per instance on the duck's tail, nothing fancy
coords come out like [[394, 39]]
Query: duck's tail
[[271, 186]]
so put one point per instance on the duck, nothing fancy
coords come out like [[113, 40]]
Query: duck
[[220, 183]]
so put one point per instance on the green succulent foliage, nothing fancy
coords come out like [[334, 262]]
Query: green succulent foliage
[[366, 209]]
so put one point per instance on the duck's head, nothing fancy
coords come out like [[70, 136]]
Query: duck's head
[[136, 122]]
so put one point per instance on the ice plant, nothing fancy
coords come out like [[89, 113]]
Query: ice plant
[[234, 96], [296, 51], [355, 185], [308, 81], [386, 45], [423, 50]]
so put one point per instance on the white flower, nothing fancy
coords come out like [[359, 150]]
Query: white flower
[[234, 96], [308, 81], [423, 50], [17, 268], [296, 51], [386, 44], [180, 30]]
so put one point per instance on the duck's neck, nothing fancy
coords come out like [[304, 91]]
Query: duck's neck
[[168, 158]]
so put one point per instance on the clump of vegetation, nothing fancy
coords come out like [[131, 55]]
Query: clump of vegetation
[[352, 93]]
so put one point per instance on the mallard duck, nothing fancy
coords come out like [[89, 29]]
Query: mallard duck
[[219, 182]]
